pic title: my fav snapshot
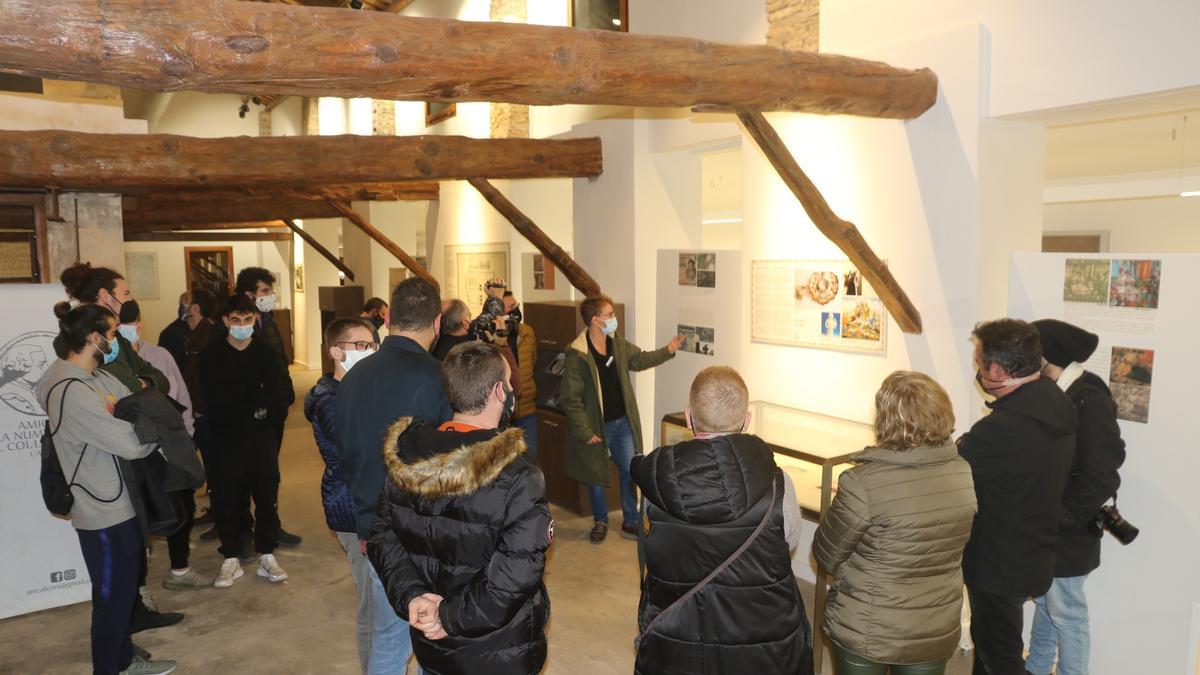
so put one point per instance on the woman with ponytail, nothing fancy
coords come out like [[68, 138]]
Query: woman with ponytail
[[78, 396]]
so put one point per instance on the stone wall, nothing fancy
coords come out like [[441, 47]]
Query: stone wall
[[383, 118], [794, 24], [510, 120]]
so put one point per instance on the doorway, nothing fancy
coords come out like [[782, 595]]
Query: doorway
[[210, 268]]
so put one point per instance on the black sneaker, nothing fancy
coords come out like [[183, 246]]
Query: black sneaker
[[599, 532], [629, 530], [286, 538], [147, 619]]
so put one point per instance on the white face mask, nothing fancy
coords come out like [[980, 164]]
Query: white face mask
[[129, 331], [353, 357], [265, 303]]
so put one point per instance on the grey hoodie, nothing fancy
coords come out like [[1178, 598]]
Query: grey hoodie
[[85, 412]]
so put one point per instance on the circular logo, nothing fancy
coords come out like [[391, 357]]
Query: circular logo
[[23, 361]]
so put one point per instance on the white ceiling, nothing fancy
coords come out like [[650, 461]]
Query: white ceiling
[[1159, 143]]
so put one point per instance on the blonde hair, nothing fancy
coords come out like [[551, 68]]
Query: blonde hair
[[911, 410], [719, 400]]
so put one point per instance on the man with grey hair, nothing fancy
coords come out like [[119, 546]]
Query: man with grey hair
[[456, 319]]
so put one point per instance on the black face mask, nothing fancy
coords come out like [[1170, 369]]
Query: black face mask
[[130, 312], [510, 406], [183, 312], [377, 321]]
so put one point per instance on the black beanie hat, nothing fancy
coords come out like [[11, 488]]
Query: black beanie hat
[[1063, 344]]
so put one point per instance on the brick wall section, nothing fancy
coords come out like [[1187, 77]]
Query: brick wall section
[[510, 120], [794, 24], [308, 117], [383, 118]]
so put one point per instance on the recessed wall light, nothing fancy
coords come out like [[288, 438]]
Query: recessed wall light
[[1190, 193], [616, 22]]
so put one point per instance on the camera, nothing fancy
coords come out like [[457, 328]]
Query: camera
[[484, 326], [1109, 518]]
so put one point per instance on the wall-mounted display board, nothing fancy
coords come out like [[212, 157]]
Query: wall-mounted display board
[[1143, 307], [469, 267], [825, 304], [541, 280], [141, 271]]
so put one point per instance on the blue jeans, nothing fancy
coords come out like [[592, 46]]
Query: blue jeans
[[1060, 623], [528, 424], [384, 642], [618, 435]]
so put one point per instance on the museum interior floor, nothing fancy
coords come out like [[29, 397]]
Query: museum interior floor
[[306, 624]]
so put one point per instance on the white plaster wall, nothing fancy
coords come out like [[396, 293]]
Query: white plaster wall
[[1044, 54], [190, 113], [287, 118], [1168, 224], [29, 113], [550, 204], [318, 272]]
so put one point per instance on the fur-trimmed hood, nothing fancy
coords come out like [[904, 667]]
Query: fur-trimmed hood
[[430, 463]]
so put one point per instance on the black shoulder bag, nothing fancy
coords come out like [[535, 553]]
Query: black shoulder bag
[[56, 489]]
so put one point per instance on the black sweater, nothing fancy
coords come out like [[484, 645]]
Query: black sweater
[[236, 383]]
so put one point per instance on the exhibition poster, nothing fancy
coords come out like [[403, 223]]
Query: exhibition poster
[[470, 267], [698, 269], [41, 565], [1117, 298], [825, 304]]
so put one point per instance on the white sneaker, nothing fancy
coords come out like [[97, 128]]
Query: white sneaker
[[231, 569], [268, 568]]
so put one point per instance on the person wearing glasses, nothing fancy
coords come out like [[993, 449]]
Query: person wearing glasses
[[348, 341]]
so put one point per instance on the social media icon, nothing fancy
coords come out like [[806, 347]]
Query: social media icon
[[69, 575], [56, 577]]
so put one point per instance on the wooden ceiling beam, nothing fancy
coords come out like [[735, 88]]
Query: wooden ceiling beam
[[348, 192], [389, 245], [142, 211], [574, 273], [843, 233], [228, 46], [208, 236], [74, 160], [236, 225], [325, 253]]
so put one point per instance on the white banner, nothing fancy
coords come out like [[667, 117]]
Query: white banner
[[40, 562]]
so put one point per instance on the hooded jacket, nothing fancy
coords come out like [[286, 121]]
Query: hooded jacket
[[1099, 452], [893, 539], [129, 368], [583, 405], [1020, 457], [320, 409], [464, 515], [706, 497]]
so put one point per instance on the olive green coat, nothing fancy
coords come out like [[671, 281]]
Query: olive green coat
[[584, 407], [130, 368], [893, 539]]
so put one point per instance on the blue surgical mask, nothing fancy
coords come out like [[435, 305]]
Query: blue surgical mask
[[129, 332], [240, 333], [610, 326], [114, 349]]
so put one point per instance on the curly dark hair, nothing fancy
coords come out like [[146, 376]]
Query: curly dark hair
[[75, 325], [248, 278], [83, 282], [1012, 344]]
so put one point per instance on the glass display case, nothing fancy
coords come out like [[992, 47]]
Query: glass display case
[[813, 449]]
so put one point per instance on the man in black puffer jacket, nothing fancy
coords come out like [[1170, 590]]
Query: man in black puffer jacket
[[707, 497], [460, 537]]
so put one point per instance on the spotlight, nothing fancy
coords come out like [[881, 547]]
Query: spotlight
[[243, 110]]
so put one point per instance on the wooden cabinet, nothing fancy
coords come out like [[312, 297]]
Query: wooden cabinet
[[561, 490]]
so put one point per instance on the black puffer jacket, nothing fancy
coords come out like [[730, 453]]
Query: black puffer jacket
[[706, 497], [1020, 457], [464, 515]]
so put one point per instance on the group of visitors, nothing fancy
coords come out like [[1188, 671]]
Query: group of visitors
[[433, 489]]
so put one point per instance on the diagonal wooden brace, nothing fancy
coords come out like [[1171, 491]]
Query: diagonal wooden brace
[[843, 233], [308, 238], [374, 233]]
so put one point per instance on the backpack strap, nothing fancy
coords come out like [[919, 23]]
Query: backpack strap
[[71, 482]]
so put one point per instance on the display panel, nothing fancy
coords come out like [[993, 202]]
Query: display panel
[[825, 304]]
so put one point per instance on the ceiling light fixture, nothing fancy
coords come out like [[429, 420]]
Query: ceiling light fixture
[[1190, 193], [616, 22], [720, 221]]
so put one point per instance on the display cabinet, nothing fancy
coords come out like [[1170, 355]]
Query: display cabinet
[[813, 449]]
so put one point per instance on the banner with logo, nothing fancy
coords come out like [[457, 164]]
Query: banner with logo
[[40, 562]]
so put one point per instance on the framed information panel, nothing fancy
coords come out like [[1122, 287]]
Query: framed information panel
[[825, 304]]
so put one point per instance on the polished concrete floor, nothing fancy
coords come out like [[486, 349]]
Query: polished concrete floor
[[306, 624]]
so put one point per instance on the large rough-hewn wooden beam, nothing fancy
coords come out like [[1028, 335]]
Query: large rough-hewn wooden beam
[[75, 160], [145, 212], [325, 253], [374, 233], [408, 191], [575, 274], [840, 232], [234, 47], [176, 227], [208, 236]]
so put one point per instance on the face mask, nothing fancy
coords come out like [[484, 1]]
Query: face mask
[[183, 312], [510, 406], [377, 321], [108, 353], [240, 333], [130, 312], [353, 357], [129, 332], [610, 326], [265, 303]]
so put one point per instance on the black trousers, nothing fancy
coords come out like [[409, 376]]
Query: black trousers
[[114, 557], [179, 543], [996, 623], [245, 468]]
